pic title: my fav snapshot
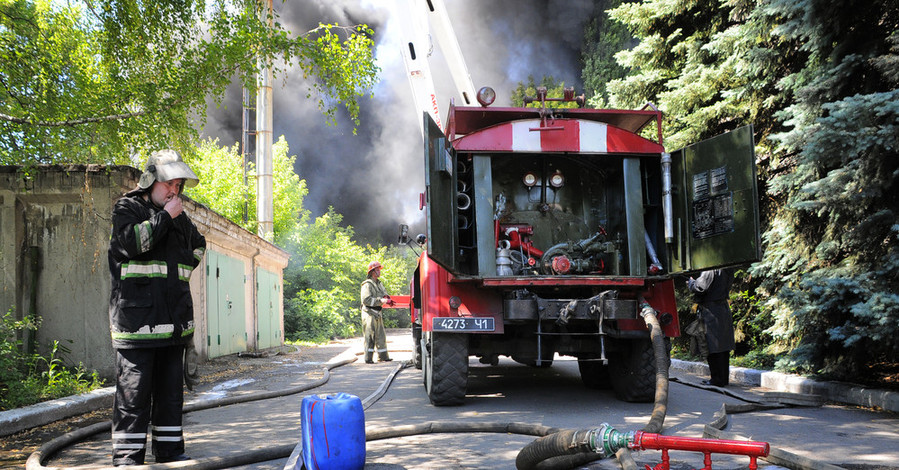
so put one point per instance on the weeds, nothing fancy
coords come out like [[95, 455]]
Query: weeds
[[27, 378]]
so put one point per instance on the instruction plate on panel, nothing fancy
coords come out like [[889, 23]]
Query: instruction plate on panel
[[713, 206]]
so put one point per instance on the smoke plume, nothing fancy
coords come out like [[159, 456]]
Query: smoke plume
[[374, 178]]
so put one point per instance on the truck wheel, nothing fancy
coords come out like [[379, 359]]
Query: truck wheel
[[446, 368], [633, 371], [594, 374], [416, 346]]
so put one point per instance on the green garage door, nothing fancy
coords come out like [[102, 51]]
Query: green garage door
[[225, 306], [268, 309]]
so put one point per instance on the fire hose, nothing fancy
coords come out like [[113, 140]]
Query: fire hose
[[557, 451], [555, 447]]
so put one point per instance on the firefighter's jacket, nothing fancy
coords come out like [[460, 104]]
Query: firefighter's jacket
[[151, 257], [371, 294]]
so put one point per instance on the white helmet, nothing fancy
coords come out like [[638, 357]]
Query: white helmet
[[166, 165]]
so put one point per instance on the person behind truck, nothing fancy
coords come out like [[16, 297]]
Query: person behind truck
[[374, 296], [710, 292], [153, 249]]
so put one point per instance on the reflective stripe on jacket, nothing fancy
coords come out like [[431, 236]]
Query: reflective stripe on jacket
[[151, 257]]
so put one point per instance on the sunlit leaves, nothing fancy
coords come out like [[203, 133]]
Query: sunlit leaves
[[99, 81]]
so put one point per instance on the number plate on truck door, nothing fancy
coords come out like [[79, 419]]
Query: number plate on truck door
[[463, 324]]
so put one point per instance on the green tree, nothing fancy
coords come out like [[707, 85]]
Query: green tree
[[229, 189], [603, 38], [832, 253], [327, 266], [97, 81], [819, 80], [529, 91], [323, 279]]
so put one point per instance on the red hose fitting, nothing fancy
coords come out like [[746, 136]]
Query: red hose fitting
[[752, 449]]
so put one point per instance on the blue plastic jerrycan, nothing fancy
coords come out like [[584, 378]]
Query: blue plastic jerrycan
[[333, 429]]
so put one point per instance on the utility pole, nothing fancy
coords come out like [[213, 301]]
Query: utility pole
[[264, 128]]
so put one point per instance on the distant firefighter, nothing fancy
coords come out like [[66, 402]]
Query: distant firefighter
[[374, 296]]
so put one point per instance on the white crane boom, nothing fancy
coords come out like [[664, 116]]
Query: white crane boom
[[449, 44], [421, 19]]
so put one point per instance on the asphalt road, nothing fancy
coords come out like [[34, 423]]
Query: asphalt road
[[851, 437]]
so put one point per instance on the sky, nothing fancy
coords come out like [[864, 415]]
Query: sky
[[374, 178]]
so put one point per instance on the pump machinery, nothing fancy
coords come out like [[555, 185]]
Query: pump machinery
[[548, 228]]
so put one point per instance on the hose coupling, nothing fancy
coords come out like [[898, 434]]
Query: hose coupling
[[646, 309], [606, 440]]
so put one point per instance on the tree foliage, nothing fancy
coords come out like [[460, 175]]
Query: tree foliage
[[228, 186], [326, 266], [818, 79], [528, 91], [603, 38], [325, 276], [98, 81]]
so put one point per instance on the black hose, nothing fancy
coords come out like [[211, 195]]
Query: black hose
[[36, 459], [660, 350], [660, 408], [558, 452], [554, 451], [555, 438]]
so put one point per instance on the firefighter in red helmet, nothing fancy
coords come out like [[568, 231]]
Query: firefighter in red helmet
[[374, 296], [153, 249]]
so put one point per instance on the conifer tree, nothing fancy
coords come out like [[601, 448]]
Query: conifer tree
[[818, 79]]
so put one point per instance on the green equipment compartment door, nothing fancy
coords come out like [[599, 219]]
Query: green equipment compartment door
[[715, 203], [440, 187]]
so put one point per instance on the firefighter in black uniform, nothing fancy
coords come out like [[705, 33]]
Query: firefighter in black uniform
[[710, 292], [153, 249]]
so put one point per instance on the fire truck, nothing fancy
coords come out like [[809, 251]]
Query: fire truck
[[548, 229]]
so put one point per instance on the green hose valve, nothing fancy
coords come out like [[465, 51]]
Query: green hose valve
[[607, 440]]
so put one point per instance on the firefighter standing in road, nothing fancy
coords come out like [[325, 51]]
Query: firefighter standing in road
[[710, 292], [374, 295], [153, 249]]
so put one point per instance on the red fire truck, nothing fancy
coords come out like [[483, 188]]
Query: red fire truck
[[548, 228]]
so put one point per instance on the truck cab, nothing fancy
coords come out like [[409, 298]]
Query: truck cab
[[548, 228]]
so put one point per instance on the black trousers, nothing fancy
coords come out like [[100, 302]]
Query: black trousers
[[719, 368], [149, 388]]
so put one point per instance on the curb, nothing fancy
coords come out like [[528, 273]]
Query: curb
[[39, 414], [837, 392]]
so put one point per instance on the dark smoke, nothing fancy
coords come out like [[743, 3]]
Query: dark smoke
[[374, 178]]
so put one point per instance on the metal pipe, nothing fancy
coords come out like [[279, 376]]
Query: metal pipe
[[667, 202], [264, 125]]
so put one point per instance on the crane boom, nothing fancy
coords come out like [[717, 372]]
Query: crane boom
[[422, 18], [416, 49], [449, 44]]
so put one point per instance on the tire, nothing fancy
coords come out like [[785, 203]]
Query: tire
[[416, 346], [633, 371], [594, 374], [446, 368]]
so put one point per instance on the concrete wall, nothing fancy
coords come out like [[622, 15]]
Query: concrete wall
[[54, 234]]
